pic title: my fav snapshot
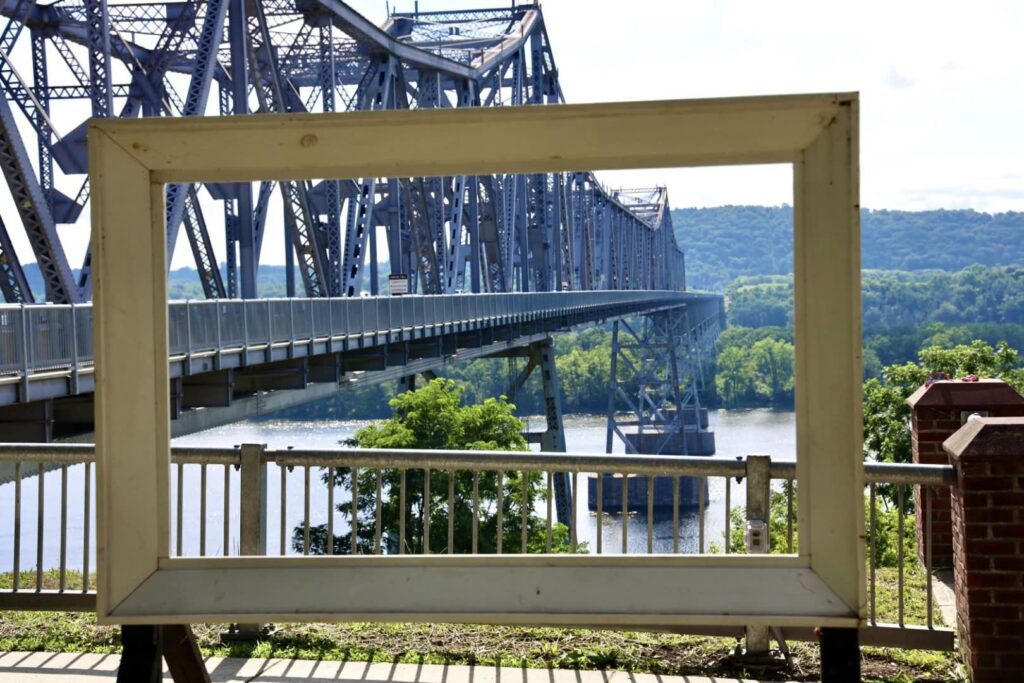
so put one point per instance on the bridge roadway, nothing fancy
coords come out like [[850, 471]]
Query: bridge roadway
[[238, 359]]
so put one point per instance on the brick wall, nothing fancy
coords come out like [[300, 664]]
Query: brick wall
[[936, 412], [929, 428], [988, 546]]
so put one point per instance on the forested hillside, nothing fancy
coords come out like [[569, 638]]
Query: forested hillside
[[727, 242], [895, 298]]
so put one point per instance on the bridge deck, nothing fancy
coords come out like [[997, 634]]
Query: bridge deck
[[46, 350]]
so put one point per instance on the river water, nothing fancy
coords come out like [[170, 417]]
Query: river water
[[737, 433]]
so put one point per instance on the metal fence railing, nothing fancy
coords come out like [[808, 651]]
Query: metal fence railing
[[253, 501]]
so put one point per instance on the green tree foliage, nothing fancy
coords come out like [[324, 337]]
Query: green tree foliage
[[894, 299], [764, 301], [727, 242], [434, 417], [754, 367], [886, 413]]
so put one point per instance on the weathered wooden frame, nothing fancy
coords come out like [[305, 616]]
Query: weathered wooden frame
[[130, 162]]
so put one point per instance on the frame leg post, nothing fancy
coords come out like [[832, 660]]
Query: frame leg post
[[840, 655], [140, 655]]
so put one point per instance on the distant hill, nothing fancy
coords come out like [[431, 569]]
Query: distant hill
[[723, 243]]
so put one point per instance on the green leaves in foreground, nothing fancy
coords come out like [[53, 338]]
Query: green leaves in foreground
[[434, 418]]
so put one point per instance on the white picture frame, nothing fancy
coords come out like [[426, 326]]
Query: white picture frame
[[140, 582]]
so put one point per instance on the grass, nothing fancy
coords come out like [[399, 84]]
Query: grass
[[668, 654]]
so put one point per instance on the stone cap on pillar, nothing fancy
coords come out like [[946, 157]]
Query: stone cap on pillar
[[987, 437], [983, 394]]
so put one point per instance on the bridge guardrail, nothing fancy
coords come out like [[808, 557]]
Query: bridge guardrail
[[48, 337]]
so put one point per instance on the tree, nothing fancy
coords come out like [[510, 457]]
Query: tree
[[734, 376], [773, 362], [433, 417], [886, 413]]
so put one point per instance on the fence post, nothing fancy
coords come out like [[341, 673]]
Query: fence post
[[937, 411], [759, 479], [254, 500], [988, 545], [252, 526]]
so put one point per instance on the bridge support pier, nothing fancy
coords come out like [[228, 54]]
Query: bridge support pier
[[661, 396]]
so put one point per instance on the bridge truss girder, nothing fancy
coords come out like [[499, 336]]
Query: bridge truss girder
[[657, 375], [501, 233]]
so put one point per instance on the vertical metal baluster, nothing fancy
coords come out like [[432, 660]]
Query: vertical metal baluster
[[86, 520], [180, 530], [63, 527], [451, 512], [202, 510], [378, 507], [476, 510], [625, 514], [702, 482], [284, 506], [355, 511], [227, 508], [600, 512], [575, 501], [330, 511], [928, 549], [40, 519], [16, 565], [426, 511], [675, 514], [500, 522], [899, 530], [401, 512], [305, 510], [728, 505], [871, 553], [789, 516], [550, 495], [650, 514], [524, 512]]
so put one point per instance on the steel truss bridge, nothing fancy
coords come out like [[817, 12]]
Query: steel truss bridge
[[496, 262]]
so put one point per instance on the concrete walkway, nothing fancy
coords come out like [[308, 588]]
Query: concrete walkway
[[47, 667]]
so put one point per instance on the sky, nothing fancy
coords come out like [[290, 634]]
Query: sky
[[940, 85]]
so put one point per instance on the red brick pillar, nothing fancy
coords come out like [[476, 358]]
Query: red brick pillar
[[988, 546], [937, 411]]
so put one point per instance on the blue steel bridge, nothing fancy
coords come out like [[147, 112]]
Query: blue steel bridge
[[494, 265]]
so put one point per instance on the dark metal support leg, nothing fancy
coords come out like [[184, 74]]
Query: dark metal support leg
[[144, 647], [140, 655], [840, 655], [182, 654]]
